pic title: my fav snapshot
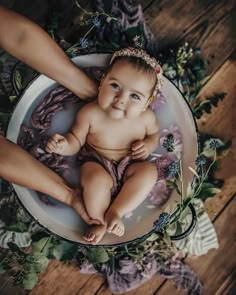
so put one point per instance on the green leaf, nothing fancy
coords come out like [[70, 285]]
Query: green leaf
[[64, 251], [207, 151], [194, 171], [12, 98], [18, 80], [30, 280], [189, 189], [178, 229], [173, 185], [97, 255], [208, 190], [153, 237], [44, 246], [15, 249], [17, 227], [2, 267], [36, 262], [39, 235]]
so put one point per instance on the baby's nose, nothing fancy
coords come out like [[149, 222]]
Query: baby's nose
[[121, 98]]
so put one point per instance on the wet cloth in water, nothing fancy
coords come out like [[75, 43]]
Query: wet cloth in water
[[115, 169]]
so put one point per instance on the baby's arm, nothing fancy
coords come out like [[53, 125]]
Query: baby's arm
[[141, 149], [71, 142]]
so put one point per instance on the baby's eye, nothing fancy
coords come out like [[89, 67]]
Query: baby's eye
[[115, 86], [135, 96]]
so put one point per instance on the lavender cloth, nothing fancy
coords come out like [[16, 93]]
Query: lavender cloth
[[125, 275], [116, 170]]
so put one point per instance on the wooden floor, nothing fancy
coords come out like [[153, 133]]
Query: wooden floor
[[208, 24]]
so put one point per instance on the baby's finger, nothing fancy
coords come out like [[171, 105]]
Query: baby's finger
[[141, 156], [57, 137], [137, 145], [139, 151], [53, 144], [50, 148]]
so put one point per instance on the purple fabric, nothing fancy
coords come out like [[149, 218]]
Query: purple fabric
[[51, 104], [129, 14], [116, 170], [124, 274]]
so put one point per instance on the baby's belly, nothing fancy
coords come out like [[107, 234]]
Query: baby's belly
[[111, 154]]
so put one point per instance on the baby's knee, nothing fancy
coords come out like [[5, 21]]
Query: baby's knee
[[97, 179], [150, 170]]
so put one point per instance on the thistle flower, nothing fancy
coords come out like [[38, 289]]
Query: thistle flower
[[214, 144], [168, 142], [160, 223], [172, 140], [173, 169], [83, 42], [96, 21], [201, 160]]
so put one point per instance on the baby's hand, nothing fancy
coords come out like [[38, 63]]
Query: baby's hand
[[57, 144], [139, 150]]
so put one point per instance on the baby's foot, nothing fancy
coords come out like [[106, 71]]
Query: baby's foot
[[95, 233], [79, 206], [114, 223]]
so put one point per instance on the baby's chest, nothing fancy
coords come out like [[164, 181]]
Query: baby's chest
[[118, 134]]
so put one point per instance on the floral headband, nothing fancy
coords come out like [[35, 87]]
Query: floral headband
[[151, 61]]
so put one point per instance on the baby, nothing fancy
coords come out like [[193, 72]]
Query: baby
[[115, 134]]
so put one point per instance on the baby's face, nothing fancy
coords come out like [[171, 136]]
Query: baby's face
[[125, 91]]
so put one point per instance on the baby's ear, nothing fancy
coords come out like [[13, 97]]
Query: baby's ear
[[101, 81]]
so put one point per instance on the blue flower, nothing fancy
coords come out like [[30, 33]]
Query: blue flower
[[214, 144], [172, 169], [201, 160], [72, 54], [168, 142], [83, 42], [160, 223], [96, 21]]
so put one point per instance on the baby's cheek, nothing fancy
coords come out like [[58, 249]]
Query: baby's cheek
[[133, 112]]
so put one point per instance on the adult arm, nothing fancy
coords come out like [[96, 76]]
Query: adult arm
[[31, 44], [14, 160]]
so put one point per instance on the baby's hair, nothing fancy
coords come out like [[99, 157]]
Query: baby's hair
[[142, 62]]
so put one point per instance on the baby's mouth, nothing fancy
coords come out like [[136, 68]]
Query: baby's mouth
[[117, 108]]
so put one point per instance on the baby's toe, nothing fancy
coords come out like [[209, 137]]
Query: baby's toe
[[89, 236]]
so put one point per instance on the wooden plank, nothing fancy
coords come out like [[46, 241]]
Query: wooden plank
[[229, 285], [92, 285], [60, 279], [206, 24], [149, 287], [221, 123], [216, 267], [145, 3]]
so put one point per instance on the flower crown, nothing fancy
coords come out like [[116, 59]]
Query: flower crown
[[151, 61]]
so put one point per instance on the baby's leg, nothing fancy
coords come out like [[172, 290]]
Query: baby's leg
[[96, 184], [139, 179]]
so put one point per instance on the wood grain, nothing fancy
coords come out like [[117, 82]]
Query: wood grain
[[216, 268], [207, 24]]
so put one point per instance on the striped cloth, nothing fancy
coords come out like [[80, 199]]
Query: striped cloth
[[203, 238]]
